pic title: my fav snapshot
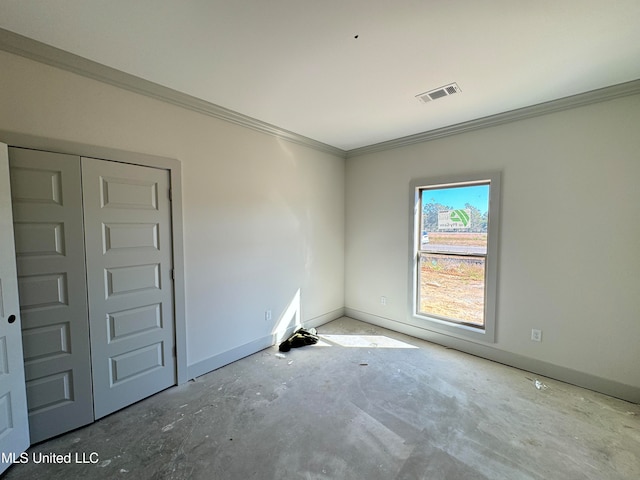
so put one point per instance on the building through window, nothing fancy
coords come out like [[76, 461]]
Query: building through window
[[455, 250]]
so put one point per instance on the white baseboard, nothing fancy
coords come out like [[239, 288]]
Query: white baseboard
[[326, 318], [225, 358], [546, 369]]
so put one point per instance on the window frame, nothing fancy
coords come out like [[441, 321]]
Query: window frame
[[441, 324]]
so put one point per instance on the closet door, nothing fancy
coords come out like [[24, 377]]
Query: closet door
[[14, 427], [129, 264], [47, 214]]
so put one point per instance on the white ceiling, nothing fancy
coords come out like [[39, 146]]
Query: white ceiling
[[296, 64]]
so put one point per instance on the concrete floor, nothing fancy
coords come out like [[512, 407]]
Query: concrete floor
[[343, 412]]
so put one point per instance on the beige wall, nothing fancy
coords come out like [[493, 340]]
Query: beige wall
[[263, 218], [568, 261]]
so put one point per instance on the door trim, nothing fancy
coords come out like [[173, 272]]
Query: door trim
[[174, 167]]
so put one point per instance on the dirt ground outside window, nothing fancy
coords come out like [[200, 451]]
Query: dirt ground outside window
[[451, 286]]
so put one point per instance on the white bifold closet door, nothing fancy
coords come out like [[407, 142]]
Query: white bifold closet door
[[93, 244], [129, 270], [47, 214], [14, 426]]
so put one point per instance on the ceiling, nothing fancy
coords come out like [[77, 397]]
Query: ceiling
[[346, 72]]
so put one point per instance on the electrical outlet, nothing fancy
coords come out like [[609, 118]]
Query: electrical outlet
[[536, 335], [267, 315], [383, 301]]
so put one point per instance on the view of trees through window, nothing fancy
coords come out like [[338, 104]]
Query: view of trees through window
[[453, 252]]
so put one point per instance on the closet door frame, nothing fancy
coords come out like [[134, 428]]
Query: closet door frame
[[174, 167]]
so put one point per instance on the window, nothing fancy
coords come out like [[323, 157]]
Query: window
[[454, 260]]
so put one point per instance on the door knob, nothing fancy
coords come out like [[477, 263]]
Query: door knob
[[12, 318]]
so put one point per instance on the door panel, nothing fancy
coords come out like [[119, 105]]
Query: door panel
[[47, 214], [14, 426], [129, 262]]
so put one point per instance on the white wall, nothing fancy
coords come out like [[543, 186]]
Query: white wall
[[568, 261], [263, 218]]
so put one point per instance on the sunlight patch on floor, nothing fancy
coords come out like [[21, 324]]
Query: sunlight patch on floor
[[366, 341]]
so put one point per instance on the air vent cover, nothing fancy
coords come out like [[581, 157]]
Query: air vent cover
[[439, 93]]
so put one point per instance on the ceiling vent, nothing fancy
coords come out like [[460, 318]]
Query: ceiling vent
[[439, 93]]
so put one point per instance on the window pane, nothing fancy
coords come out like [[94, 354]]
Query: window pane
[[455, 219], [452, 287]]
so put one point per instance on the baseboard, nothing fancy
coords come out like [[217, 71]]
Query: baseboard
[[225, 358], [539, 367], [323, 319]]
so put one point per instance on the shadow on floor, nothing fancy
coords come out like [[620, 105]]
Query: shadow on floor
[[363, 403]]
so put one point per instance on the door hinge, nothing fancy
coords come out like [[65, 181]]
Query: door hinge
[[175, 351], [173, 274], [170, 195]]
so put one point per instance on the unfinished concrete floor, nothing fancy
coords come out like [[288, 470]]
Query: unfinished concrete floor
[[358, 412]]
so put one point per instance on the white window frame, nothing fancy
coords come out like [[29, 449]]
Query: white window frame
[[485, 333]]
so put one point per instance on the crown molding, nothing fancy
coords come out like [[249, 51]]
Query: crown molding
[[34, 50], [565, 103]]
